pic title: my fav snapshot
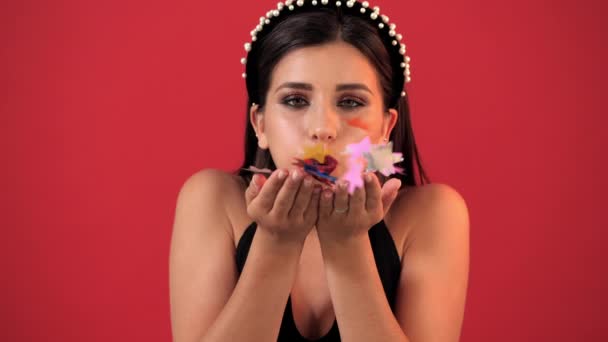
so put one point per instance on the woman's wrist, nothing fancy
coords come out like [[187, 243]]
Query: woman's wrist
[[280, 243]]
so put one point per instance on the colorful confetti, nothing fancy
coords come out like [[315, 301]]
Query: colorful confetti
[[362, 156], [377, 157]]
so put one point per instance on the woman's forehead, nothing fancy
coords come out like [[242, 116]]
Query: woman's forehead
[[325, 65]]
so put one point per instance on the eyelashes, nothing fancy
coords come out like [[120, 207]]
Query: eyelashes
[[297, 101]]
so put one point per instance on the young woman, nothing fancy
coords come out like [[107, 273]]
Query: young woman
[[256, 258]]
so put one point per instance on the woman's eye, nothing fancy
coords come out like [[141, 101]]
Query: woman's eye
[[301, 102], [295, 101], [351, 103]]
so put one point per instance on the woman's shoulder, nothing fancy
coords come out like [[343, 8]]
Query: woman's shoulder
[[227, 191], [219, 179], [416, 205]]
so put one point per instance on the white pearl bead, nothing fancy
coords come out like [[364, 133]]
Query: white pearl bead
[[254, 38], [243, 60], [408, 79], [402, 93], [247, 47], [399, 36], [338, 4], [324, 2], [275, 13], [244, 75], [362, 10], [392, 26], [374, 15], [291, 7], [280, 6], [288, 2], [314, 2], [300, 3], [385, 18], [403, 64], [365, 4], [407, 59], [394, 43], [350, 4], [391, 33], [381, 25], [376, 9], [267, 21]]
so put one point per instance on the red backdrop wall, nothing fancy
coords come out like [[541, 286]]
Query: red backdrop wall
[[107, 107]]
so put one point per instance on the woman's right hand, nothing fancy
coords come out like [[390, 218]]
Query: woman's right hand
[[284, 205]]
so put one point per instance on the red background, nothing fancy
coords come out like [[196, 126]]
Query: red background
[[108, 106]]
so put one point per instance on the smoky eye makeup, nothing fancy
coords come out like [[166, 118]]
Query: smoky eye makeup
[[299, 100], [295, 100]]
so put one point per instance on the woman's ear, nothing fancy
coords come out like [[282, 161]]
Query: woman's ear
[[389, 121], [256, 117]]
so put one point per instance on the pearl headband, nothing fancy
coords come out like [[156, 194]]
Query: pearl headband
[[381, 21]]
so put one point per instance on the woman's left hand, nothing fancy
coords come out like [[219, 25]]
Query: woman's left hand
[[343, 216]]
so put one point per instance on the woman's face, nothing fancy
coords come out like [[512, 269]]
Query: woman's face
[[327, 94]]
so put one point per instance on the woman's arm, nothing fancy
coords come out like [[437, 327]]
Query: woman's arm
[[432, 291], [431, 295], [209, 302], [361, 308]]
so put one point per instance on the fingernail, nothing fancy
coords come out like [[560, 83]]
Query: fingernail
[[295, 175], [281, 174], [368, 177], [327, 194]]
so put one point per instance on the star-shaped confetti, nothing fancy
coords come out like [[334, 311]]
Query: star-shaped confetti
[[377, 157], [359, 149], [382, 158], [353, 175], [316, 151]]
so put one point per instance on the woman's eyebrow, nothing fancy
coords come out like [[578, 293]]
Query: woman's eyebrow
[[339, 87]]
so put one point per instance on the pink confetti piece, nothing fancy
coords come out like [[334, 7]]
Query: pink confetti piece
[[359, 149], [354, 175], [378, 157]]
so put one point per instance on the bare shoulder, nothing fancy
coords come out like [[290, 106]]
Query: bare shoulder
[[416, 207], [435, 265], [202, 268], [223, 190]]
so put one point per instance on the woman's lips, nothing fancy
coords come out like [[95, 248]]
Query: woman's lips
[[320, 171], [328, 166]]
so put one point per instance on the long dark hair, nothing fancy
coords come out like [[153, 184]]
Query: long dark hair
[[316, 27]]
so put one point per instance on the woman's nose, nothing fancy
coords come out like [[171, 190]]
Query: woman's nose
[[323, 126], [323, 134]]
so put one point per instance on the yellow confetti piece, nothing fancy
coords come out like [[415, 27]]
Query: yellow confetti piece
[[317, 152]]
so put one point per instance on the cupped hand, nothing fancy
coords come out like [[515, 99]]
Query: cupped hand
[[285, 204], [343, 216]]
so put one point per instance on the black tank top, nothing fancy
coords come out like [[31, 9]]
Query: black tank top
[[387, 263]]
